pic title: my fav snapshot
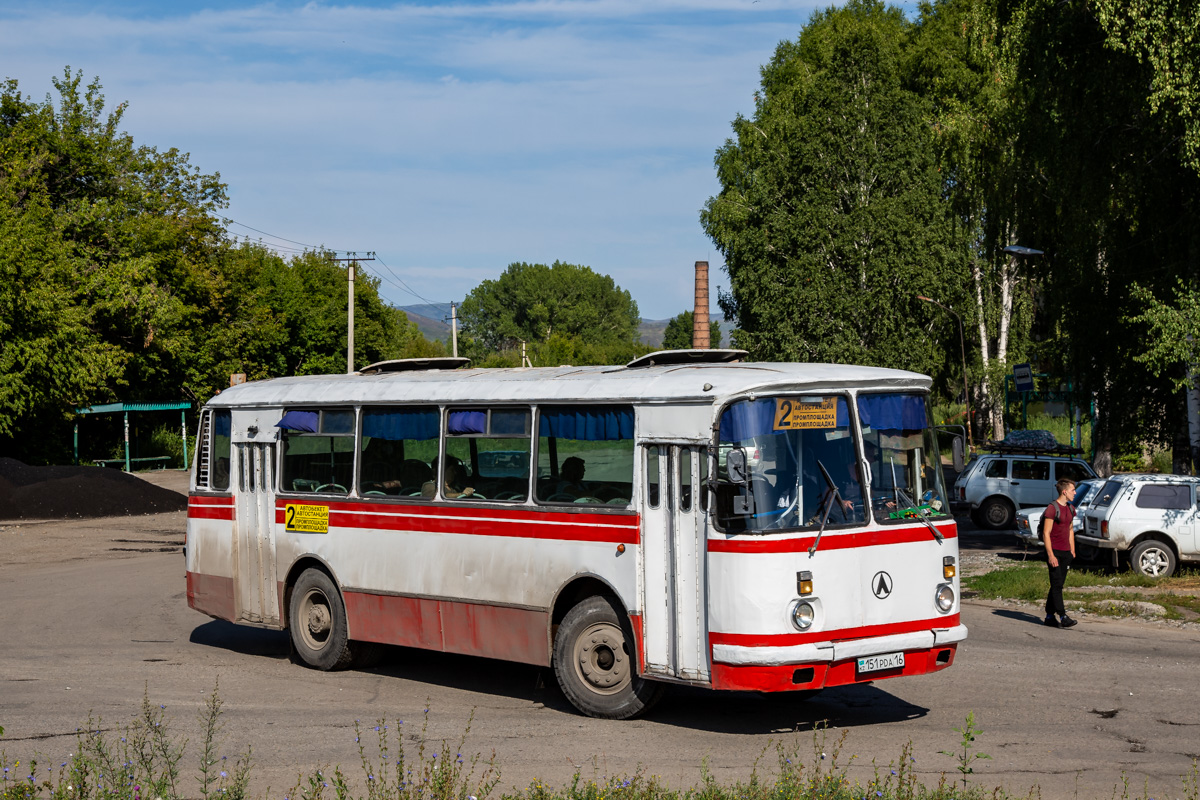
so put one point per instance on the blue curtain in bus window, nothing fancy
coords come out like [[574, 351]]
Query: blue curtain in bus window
[[747, 419], [221, 423], [303, 421], [892, 412], [397, 425], [588, 423], [467, 422]]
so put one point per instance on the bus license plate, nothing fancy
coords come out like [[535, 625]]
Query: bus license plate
[[882, 662]]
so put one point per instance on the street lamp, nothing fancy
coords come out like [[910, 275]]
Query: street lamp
[[1020, 250], [962, 341]]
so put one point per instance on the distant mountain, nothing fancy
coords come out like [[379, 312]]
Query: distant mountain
[[433, 321], [652, 330], [432, 328]]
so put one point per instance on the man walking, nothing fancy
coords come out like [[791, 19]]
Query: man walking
[[1058, 534]]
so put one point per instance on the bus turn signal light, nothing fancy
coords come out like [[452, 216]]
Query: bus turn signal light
[[948, 567]]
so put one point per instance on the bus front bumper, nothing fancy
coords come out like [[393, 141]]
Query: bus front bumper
[[819, 665]]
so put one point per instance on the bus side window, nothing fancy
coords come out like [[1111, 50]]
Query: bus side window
[[653, 478], [585, 455], [220, 451], [487, 454], [318, 451], [399, 445]]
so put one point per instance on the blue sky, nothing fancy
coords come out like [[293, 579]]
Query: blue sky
[[451, 138]]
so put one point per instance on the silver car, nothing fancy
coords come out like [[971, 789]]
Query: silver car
[[1029, 520], [995, 486], [1153, 518]]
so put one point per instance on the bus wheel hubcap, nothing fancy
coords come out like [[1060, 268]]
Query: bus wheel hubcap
[[601, 660], [318, 620]]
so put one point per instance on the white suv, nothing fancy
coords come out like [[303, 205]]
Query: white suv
[[1152, 517], [995, 485]]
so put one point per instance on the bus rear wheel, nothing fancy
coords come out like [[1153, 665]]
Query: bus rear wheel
[[595, 664], [317, 622]]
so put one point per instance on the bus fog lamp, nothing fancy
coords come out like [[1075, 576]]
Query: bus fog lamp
[[945, 597], [803, 615]]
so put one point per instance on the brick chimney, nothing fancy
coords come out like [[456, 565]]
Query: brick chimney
[[700, 338]]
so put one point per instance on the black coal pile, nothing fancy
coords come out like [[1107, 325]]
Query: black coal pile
[[68, 492]]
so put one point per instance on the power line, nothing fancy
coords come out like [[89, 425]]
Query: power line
[[399, 283], [407, 288], [306, 246]]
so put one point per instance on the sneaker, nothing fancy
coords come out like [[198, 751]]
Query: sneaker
[[1067, 622], [1053, 623]]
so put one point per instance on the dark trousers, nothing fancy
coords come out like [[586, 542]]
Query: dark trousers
[[1058, 577]]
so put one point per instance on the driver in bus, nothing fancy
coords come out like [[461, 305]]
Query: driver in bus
[[851, 488]]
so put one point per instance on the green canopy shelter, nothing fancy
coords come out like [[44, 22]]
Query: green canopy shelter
[[125, 408]]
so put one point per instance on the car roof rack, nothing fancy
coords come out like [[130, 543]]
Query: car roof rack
[[1002, 448]]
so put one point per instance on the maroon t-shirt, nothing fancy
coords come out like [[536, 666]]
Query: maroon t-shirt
[[1060, 529]]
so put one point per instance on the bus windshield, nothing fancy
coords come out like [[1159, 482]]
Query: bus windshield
[[791, 444], [900, 446]]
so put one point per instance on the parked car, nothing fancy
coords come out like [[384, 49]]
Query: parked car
[[995, 485], [1153, 518], [1029, 520]]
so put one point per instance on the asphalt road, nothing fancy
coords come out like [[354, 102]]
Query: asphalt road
[[1070, 712]]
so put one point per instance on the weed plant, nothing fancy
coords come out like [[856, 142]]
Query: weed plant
[[142, 762]]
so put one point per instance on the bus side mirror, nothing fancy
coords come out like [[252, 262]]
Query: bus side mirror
[[735, 466], [957, 454]]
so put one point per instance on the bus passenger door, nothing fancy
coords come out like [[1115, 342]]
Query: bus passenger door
[[674, 583], [255, 585]]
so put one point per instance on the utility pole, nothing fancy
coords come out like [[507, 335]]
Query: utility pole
[[351, 264]]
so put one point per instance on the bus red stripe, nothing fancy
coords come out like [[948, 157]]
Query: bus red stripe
[[210, 512], [519, 514], [529, 528], [830, 541], [842, 635], [202, 500]]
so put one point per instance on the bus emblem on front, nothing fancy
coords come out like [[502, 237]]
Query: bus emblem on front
[[881, 585]]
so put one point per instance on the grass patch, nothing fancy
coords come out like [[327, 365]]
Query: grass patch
[[1030, 583]]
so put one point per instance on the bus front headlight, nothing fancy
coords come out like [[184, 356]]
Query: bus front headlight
[[803, 615], [944, 599]]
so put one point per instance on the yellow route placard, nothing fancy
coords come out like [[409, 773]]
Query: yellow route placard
[[306, 518], [793, 415]]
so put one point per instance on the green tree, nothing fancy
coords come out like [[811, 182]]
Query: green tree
[[115, 236], [570, 313], [118, 280], [678, 335], [1112, 199], [830, 214], [1165, 36], [963, 68]]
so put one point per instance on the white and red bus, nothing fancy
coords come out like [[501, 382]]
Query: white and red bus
[[686, 518]]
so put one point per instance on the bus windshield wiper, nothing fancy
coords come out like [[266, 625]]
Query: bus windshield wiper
[[834, 497], [901, 495], [922, 513]]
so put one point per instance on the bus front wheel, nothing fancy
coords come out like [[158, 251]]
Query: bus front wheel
[[595, 665], [317, 622]]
